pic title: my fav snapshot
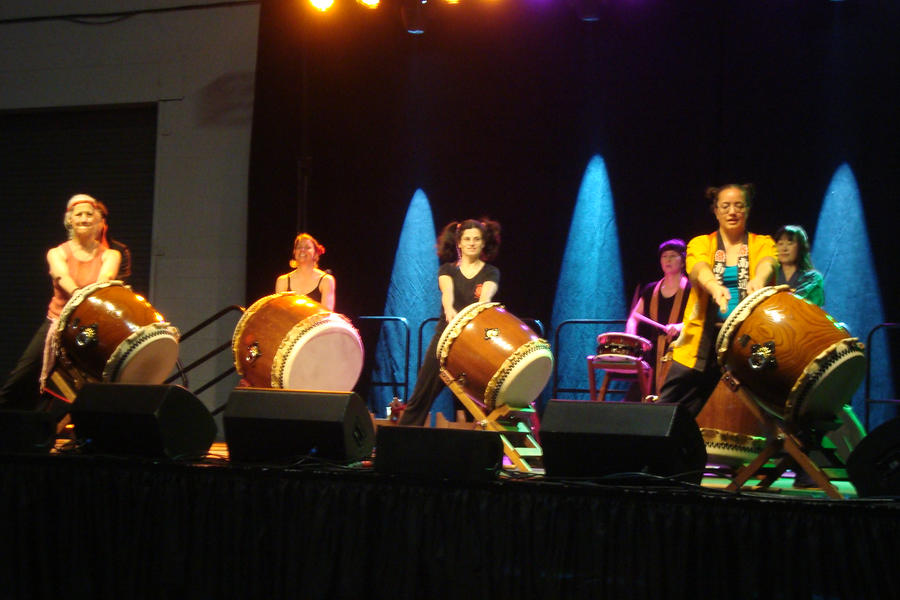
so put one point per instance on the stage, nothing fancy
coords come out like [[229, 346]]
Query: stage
[[95, 526]]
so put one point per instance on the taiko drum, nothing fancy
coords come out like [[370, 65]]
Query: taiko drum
[[286, 340], [792, 355], [108, 333], [496, 357]]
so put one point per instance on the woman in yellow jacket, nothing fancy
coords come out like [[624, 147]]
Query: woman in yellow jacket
[[723, 266]]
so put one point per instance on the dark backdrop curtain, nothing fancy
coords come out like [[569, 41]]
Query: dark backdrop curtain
[[497, 110]]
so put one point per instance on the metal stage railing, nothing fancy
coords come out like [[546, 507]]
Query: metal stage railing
[[869, 400], [182, 371], [567, 322], [395, 383]]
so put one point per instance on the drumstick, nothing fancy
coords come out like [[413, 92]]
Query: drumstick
[[650, 321]]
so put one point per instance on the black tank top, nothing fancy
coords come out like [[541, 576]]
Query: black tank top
[[314, 295]]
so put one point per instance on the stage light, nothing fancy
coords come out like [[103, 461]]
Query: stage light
[[587, 10], [411, 294], [321, 5], [842, 252], [413, 14], [583, 290], [370, 4]]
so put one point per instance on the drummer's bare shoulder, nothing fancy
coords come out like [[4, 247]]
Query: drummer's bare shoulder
[[109, 265], [58, 262], [281, 284], [327, 286], [325, 276]]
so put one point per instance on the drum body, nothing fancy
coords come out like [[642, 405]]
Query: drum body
[[791, 355], [732, 434], [496, 357], [108, 333], [288, 341], [615, 343]]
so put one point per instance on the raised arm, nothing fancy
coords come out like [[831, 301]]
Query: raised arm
[[59, 270], [327, 288], [445, 283], [488, 289], [632, 323], [109, 265]]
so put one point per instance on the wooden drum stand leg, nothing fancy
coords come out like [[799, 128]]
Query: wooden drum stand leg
[[518, 455], [782, 437]]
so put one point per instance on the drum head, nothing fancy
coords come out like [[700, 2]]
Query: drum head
[[527, 378], [328, 357], [150, 361], [829, 382]]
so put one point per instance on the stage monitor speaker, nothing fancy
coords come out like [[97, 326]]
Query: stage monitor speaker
[[595, 439], [144, 420], [874, 465], [457, 454], [282, 426], [28, 431]]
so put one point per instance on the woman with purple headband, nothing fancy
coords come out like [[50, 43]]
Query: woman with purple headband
[[659, 311]]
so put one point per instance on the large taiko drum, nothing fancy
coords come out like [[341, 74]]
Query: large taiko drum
[[731, 432], [791, 355], [108, 333], [288, 341], [497, 358]]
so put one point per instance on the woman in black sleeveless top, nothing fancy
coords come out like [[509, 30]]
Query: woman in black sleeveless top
[[307, 278]]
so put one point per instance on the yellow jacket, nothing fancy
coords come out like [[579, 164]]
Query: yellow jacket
[[702, 248]]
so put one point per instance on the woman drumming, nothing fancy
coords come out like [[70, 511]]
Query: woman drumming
[[662, 302], [723, 267], [795, 267], [307, 278], [463, 279], [84, 259]]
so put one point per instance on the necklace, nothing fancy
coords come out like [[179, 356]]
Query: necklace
[[470, 269]]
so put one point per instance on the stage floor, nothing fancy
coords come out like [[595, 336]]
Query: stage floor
[[715, 479], [154, 527]]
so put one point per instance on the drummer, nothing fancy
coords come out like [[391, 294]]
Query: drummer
[[82, 260], [795, 267], [724, 267], [307, 278], [659, 311], [464, 277]]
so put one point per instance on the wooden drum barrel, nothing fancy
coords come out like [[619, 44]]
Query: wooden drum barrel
[[287, 340], [108, 333], [791, 355], [496, 357]]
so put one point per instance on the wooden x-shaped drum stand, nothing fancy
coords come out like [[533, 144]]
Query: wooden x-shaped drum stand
[[783, 443], [521, 456]]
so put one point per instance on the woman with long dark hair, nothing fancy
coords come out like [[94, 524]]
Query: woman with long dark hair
[[465, 277]]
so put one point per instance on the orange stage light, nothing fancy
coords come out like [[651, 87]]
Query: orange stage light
[[321, 5]]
